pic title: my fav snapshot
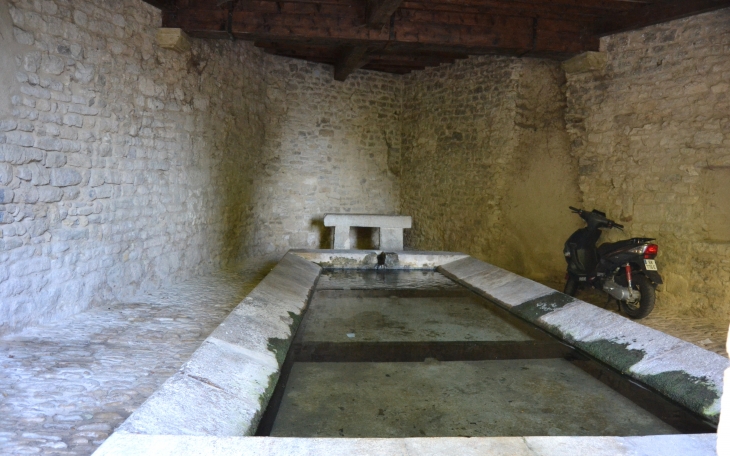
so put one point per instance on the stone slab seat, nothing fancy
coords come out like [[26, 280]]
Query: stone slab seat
[[391, 228]]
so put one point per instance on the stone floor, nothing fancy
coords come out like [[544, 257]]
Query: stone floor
[[65, 387]]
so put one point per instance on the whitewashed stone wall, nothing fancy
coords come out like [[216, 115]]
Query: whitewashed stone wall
[[327, 149], [652, 137], [485, 167], [124, 166]]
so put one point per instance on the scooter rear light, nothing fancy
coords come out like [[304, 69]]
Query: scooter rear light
[[651, 251]]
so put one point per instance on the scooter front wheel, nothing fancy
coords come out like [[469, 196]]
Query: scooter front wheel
[[645, 305]]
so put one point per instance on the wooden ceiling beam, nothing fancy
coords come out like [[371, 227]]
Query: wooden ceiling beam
[[657, 13], [511, 9], [380, 11], [495, 32], [164, 5], [353, 58], [471, 34]]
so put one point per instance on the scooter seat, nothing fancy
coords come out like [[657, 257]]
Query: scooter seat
[[610, 248]]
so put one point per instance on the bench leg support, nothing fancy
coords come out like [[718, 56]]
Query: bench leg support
[[342, 237], [391, 238]]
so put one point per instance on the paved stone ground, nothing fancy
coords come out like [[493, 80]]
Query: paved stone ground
[[708, 333], [65, 387]]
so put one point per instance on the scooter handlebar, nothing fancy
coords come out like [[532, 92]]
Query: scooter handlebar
[[606, 222]]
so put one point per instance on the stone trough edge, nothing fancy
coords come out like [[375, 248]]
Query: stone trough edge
[[225, 386], [208, 406], [166, 445], [684, 372]]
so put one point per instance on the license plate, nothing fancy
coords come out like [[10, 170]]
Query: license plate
[[650, 265]]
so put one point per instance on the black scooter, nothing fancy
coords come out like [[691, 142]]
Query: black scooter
[[626, 270]]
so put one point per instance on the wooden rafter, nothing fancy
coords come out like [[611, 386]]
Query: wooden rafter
[[657, 13], [380, 11], [401, 35], [353, 58]]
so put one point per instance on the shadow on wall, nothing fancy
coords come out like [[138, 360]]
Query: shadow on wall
[[486, 167], [326, 234], [535, 207]]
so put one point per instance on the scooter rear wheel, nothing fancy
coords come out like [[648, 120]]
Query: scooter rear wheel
[[645, 305]]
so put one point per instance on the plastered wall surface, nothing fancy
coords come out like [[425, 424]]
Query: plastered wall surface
[[651, 134], [485, 166], [124, 166]]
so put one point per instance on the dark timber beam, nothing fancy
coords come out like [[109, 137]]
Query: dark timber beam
[[352, 59], [466, 33], [379, 11], [164, 5], [656, 13]]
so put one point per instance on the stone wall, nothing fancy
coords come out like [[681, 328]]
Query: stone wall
[[327, 149], [124, 166], [651, 133], [485, 166]]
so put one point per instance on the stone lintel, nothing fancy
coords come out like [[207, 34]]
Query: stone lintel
[[174, 39], [368, 220], [585, 62]]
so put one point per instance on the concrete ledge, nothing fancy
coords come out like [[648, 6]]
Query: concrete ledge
[[677, 369], [163, 445], [368, 259], [225, 386], [368, 220]]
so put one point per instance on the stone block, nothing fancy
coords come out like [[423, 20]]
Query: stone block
[[64, 177], [516, 293], [391, 228], [391, 239], [174, 39], [246, 374], [187, 406], [122, 443], [55, 159], [53, 64], [368, 220], [6, 174], [6, 195], [585, 62], [466, 267]]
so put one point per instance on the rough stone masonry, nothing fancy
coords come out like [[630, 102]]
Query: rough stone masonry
[[124, 166]]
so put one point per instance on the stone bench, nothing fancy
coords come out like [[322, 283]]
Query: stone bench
[[391, 228]]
